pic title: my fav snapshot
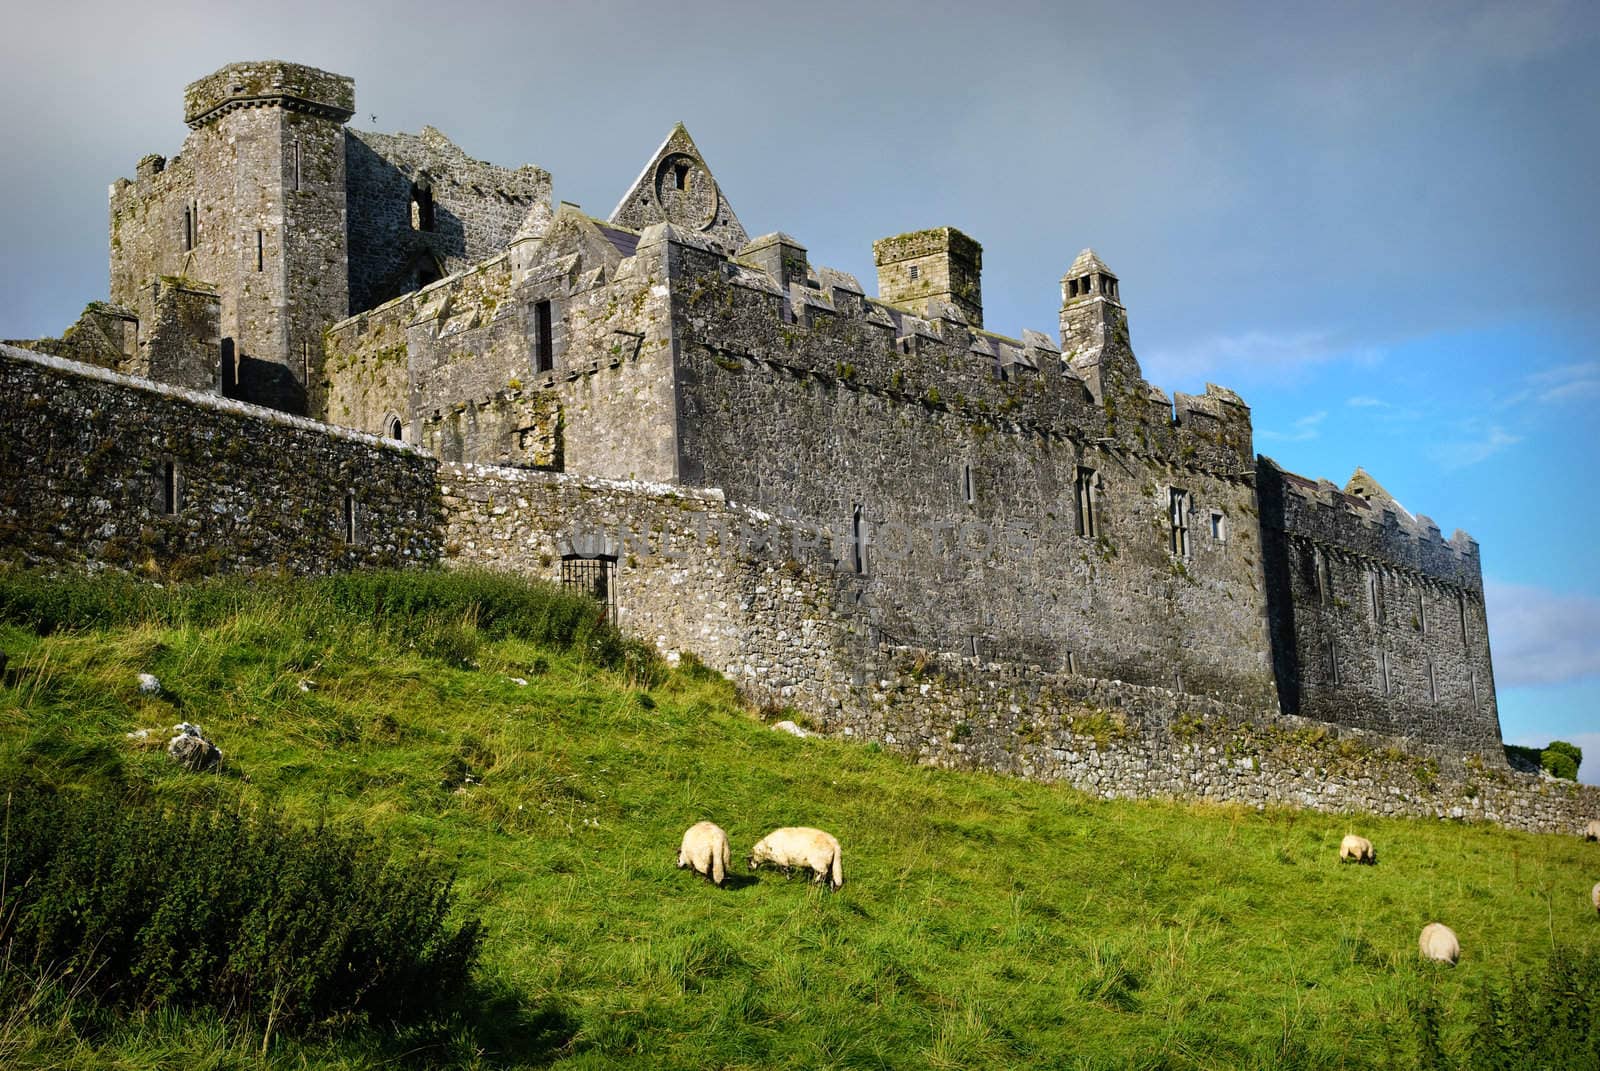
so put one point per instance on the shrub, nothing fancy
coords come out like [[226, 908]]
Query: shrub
[[1546, 1017], [206, 904], [1562, 759]]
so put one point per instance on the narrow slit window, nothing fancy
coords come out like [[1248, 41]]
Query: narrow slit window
[[297, 164], [261, 250], [1461, 608], [1474, 689], [973, 650], [1072, 664], [1422, 610], [966, 485], [170, 502], [680, 176], [544, 338], [1433, 684], [858, 540], [1179, 514], [1375, 593], [1219, 526], [188, 228], [351, 530], [1383, 670], [1087, 499], [1333, 663]]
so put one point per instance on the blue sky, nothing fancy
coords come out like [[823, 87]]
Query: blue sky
[[1376, 221]]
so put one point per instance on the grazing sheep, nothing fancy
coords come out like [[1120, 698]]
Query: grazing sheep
[[1356, 849], [705, 848], [1438, 943], [1594, 895], [1592, 830], [795, 846]]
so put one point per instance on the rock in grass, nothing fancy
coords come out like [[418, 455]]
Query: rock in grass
[[193, 751], [148, 684], [791, 728]]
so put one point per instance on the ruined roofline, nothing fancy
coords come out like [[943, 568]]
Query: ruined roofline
[[436, 140], [1373, 516]]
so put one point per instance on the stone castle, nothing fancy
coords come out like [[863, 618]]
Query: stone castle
[[326, 347]]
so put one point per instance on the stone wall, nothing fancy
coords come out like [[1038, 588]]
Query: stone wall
[[463, 357], [1117, 740], [104, 470], [955, 459], [765, 602], [1377, 621], [420, 209]]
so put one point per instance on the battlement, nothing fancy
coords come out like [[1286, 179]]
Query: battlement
[[1371, 526], [771, 307], [269, 83]]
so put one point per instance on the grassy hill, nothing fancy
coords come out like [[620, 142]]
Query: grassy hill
[[984, 921]]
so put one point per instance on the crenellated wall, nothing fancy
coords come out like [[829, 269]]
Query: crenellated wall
[[956, 455], [1377, 621]]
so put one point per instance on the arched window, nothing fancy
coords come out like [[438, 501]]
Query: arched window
[[395, 430]]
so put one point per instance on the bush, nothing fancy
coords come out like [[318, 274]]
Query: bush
[[1559, 764], [1562, 759], [1546, 1017], [210, 905]]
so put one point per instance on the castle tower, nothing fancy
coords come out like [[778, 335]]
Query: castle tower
[[254, 209], [1094, 322], [270, 166], [924, 269]]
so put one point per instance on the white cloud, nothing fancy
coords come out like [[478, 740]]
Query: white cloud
[[1464, 452], [1541, 637], [1305, 429], [1564, 383], [1362, 401]]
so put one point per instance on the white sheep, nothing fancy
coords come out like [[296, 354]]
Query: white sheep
[[1356, 849], [1594, 895], [801, 846], [1592, 830], [705, 848], [1438, 943]]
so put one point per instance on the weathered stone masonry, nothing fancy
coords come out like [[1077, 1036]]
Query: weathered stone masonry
[[99, 469]]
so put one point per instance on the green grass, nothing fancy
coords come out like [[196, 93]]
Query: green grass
[[984, 921]]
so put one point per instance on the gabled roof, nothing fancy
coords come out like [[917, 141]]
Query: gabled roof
[[677, 187], [1362, 485]]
